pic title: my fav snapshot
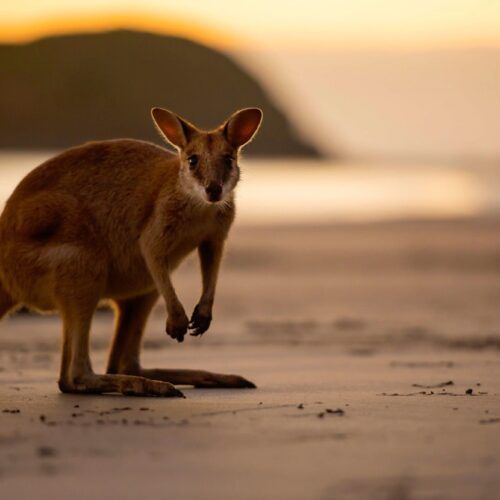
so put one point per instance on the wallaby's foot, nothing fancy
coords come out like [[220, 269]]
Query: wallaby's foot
[[123, 384], [198, 378]]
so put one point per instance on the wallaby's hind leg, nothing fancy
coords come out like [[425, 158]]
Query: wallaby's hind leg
[[131, 317], [124, 357], [77, 375]]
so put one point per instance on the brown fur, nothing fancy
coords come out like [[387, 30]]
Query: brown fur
[[112, 220]]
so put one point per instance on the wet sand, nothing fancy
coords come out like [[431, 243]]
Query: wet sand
[[375, 348]]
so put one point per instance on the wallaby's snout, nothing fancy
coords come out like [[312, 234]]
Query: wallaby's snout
[[214, 191], [209, 159]]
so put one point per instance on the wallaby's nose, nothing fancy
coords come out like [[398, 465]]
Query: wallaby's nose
[[214, 191]]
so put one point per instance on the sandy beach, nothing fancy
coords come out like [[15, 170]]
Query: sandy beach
[[375, 348]]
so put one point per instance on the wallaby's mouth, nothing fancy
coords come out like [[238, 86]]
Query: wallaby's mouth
[[214, 199]]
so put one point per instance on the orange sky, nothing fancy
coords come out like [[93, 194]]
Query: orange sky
[[259, 23], [62, 24]]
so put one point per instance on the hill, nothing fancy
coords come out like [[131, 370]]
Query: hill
[[61, 91]]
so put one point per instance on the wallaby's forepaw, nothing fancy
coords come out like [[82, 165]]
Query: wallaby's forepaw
[[199, 323], [177, 327]]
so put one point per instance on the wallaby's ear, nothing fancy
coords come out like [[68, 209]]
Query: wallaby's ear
[[175, 129], [242, 126]]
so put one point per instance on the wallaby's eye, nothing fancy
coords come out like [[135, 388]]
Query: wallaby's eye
[[228, 161], [193, 161]]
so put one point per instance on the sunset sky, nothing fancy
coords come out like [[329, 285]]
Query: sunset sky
[[371, 77], [256, 23]]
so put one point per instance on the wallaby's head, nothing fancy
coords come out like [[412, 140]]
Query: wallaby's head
[[209, 159]]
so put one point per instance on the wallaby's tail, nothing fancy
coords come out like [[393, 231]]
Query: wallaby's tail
[[6, 301]]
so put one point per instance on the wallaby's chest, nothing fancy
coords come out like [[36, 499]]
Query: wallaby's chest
[[189, 232]]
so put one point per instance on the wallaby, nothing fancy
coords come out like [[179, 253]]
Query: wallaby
[[112, 220]]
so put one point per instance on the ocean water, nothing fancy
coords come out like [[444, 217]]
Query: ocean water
[[288, 191]]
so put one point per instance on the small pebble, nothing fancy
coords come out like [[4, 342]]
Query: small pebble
[[468, 391], [338, 411], [301, 406], [46, 451]]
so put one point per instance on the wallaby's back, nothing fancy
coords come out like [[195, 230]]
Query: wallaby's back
[[111, 181]]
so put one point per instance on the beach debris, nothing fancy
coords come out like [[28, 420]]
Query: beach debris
[[434, 386], [338, 411], [422, 364], [468, 392], [301, 406], [406, 394], [490, 421], [14, 410], [46, 451], [42, 418], [328, 411], [348, 323]]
